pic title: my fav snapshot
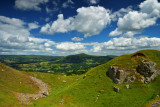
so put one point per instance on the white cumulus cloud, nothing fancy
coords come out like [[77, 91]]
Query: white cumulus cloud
[[136, 21], [29, 4], [17, 38], [60, 25], [70, 46], [33, 25], [89, 21], [120, 13], [93, 1], [68, 3], [121, 44], [77, 39]]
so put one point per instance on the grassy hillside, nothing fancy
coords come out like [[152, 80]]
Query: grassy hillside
[[96, 89], [93, 89], [11, 81]]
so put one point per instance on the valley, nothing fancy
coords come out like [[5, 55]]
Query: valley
[[73, 64], [88, 89]]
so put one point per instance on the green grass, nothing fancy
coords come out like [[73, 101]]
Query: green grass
[[15, 80], [12, 81], [56, 85], [72, 64], [6, 98], [96, 89]]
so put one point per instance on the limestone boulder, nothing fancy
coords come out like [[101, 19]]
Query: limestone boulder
[[148, 70], [117, 75]]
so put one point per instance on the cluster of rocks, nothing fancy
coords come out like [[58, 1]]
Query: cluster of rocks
[[118, 75], [147, 69]]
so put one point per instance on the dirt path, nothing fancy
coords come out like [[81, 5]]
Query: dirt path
[[26, 98]]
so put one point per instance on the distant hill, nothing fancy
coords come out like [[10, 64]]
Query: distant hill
[[79, 58], [72, 64], [23, 59], [14, 60]]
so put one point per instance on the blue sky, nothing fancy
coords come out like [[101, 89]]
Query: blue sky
[[64, 27]]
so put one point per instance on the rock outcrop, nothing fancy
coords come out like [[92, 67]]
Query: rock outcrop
[[148, 70], [138, 55], [117, 75]]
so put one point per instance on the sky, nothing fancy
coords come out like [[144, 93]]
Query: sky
[[65, 27]]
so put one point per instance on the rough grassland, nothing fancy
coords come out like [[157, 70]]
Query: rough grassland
[[11, 81], [96, 89], [93, 89]]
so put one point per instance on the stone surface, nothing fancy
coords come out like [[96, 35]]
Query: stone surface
[[26, 98], [116, 89], [127, 86], [130, 79], [148, 70], [64, 81], [117, 75]]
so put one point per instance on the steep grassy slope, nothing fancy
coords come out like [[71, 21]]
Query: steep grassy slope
[[11, 81], [96, 89], [57, 83]]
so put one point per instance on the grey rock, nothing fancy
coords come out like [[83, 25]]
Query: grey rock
[[64, 81], [117, 75], [45, 93], [130, 79], [116, 89], [127, 86], [148, 70]]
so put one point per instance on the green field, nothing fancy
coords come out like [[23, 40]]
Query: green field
[[73, 64]]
